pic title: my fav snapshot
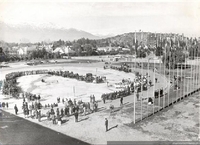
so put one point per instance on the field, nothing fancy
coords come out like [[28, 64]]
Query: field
[[177, 122]]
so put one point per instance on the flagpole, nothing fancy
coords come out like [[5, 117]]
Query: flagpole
[[177, 91], [134, 82], [181, 92], [182, 63], [159, 97], [142, 81], [168, 91], [164, 78], [169, 65], [197, 66], [184, 83], [141, 90], [191, 85], [198, 69], [173, 71], [154, 84], [185, 76], [195, 71], [194, 68], [147, 89], [187, 79]]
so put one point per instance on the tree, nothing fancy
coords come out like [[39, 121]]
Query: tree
[[77, 48], [88, 49]]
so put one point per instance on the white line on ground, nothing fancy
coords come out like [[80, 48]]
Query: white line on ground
[[4, 127]]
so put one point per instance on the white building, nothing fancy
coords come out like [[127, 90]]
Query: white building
[[63, 50], [22, 51]]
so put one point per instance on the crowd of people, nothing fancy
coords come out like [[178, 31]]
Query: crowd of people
[[87, 78], [10, 83], [32, 108], [55, 113], [124, 67], [116, 94]]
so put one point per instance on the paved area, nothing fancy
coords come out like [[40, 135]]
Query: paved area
[[16, 130]]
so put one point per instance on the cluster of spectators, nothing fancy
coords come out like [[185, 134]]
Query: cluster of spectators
[[87, 78], [116, 94], [4, 105], [124, 67], [35, 109]]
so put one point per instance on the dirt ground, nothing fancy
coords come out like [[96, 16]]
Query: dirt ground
[[179, 122]]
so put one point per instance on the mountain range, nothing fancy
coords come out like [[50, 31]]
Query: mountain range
[[27, 33]]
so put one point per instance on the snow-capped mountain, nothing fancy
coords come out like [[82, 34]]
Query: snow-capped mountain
[[29, 33]]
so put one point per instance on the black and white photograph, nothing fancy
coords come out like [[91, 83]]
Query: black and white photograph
[[99, 72]]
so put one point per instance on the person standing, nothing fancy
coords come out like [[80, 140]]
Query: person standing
[[76, 116], [84, 109], [137, 95], [3, 104], [16, 109], [57, 112], [54, 119], [121, 101], [30, 109], [66, 110], [59, 120], [156, 79], [39, 97], [62, 112], [37, 113], [48, 115], [39, 116], [150, 83], [104, 99], [7, 105], [106, 124], [93, 99]]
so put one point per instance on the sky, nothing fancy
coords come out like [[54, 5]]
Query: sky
[[103, 18]]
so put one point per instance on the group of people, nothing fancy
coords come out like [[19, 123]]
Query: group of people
[[87, 78], [124, 67], [10, 83], [71, 108], [11, 79], [4, 105], [30, 96], [55, 113], [115, 95], [32, 110]]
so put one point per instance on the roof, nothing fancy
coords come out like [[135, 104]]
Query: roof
[[64, 49]]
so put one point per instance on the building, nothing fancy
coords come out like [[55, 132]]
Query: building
[[22, 51], [64, 50]]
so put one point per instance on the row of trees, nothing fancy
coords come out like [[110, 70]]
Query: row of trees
[[36, 54], [87, 47]]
